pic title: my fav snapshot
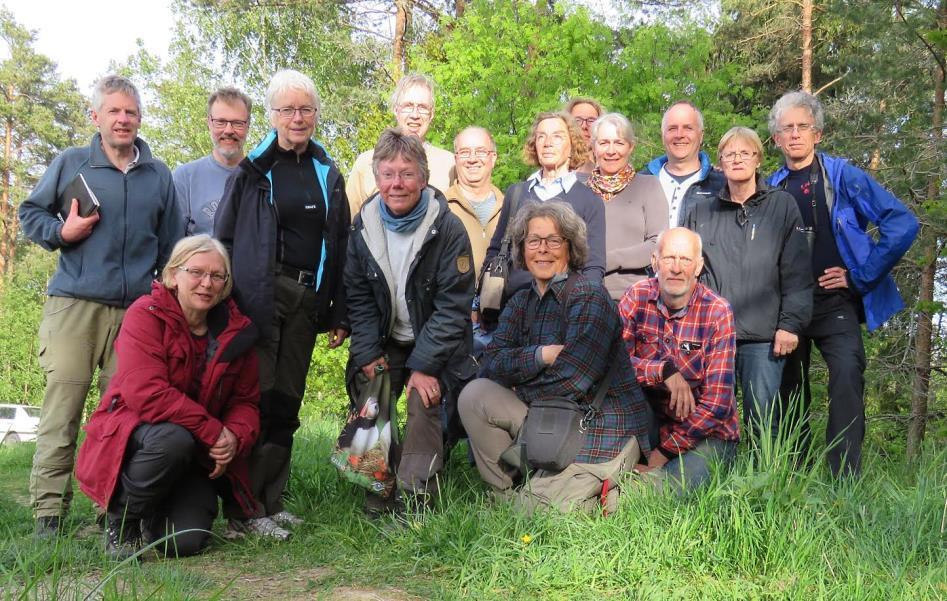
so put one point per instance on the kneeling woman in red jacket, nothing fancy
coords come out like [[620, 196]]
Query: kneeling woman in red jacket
[[180, 415]]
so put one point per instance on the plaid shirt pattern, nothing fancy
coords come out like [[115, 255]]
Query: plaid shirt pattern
[[701, 342], [592, 339]]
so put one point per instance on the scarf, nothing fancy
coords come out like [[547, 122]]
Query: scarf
[[607, 186], [404, 224]]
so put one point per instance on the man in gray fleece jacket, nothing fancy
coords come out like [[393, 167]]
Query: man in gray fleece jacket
[[107, 259]]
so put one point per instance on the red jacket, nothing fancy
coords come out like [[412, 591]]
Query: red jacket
[[156, 356]]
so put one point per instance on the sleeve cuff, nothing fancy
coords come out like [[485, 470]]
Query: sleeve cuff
[[667, 454], [668, 370]]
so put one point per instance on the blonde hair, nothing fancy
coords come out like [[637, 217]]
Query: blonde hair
[[744, 134], [195, 245]]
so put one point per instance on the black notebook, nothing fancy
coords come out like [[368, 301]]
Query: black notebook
[[80, 190]]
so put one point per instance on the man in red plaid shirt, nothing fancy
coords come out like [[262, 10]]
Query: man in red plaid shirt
[[681, 340]]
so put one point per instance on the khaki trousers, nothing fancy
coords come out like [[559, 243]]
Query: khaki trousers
[[493, 415], [75, 337]]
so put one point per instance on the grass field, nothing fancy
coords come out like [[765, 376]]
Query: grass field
[[760, 532]]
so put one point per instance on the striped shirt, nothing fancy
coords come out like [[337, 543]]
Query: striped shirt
[[593, 337], [701, 343]]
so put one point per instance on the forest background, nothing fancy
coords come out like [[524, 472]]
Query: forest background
[[878, 67]]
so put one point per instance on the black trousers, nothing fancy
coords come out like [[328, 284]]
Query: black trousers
[[836, 331], [161, 485]]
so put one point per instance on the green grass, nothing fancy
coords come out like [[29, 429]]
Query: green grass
[[751, 534]]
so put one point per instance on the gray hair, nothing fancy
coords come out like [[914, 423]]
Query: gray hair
[[482, 130], [111, 84], [230, 95], [195, 245], [287, 80], [394, 143], [700, 115], [570, 226], [792, 100], [694, 235], [622, 125], [411, 81]]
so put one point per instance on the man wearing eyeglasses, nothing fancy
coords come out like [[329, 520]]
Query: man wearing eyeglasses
[[107, 258], [200, 183], [413, 106], [851, 268], [682, 342]]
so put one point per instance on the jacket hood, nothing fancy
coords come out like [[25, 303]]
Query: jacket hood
[[654, 167]]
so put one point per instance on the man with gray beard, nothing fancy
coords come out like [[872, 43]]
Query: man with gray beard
[[200, 184]]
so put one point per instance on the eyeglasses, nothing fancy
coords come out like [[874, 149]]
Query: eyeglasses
[[288, 112], [480, 153], [799, 127], [198, 275], [552, 242], [743, 155], [237, 124], [387, 176], [409, 107], [580, 121], [669, 260]]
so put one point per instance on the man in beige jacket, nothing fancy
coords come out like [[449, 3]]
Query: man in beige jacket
[[413, 106], [474, 198]]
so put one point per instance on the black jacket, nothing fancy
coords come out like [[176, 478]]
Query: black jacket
[[440, 288], [756, 256], [248, 225]]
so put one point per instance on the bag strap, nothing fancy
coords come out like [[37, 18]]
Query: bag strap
[[512, 204], [602, 388]]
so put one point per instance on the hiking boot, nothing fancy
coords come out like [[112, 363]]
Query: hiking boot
[[378, 507], [286, 519], [265, 527], [122, 538], [47, 527]]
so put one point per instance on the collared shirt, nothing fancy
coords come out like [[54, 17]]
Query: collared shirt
[[514, 360], [546, 191], [674, 190], [701, 343]]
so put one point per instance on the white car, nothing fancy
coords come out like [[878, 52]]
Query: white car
[[18, 423]]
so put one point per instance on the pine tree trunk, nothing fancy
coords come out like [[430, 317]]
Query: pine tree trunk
[[807, 45], [402, 20], [922, 350]]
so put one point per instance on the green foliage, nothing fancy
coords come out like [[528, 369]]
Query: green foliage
[[21, 305]]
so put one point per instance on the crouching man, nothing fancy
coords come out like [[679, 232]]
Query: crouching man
[[681, 340]]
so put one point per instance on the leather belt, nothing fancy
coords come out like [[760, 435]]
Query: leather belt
[[302, 277]]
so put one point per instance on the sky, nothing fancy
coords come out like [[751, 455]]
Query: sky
[[83, 37]]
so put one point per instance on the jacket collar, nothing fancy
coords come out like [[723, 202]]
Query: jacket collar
[[261, 157], [455, 195], [98, 158], [654, 167], [762, 191]]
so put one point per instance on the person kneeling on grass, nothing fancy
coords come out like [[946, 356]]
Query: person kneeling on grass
[[180, 416], [556, 338], [681, 340]]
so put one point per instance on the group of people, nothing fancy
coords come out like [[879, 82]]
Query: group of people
[[643, 298]]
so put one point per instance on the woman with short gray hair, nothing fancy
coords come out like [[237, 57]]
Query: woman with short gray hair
[[409, 285], [556, 339], [636, 208], [285, 217]]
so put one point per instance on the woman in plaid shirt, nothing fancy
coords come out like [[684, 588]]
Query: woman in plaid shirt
[[529, 359]]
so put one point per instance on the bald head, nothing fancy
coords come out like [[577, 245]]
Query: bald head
[[677, 261]]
